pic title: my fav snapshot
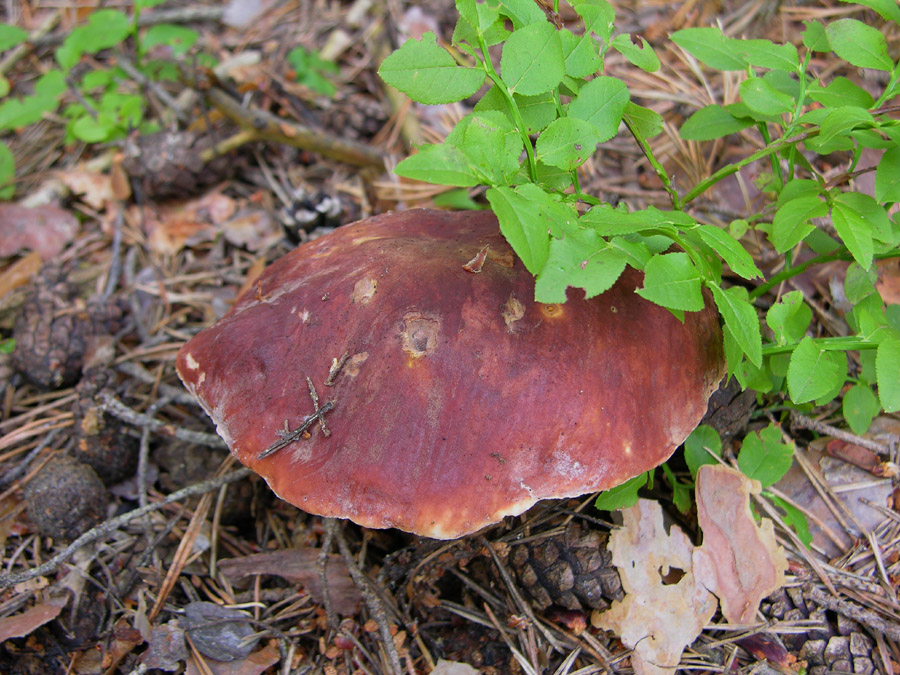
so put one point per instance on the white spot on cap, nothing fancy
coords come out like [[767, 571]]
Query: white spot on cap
[[190, 361]]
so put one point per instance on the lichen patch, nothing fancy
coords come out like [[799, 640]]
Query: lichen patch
[[363, 291], [419, 335]]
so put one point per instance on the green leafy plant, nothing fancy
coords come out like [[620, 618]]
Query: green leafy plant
[[313, 71], [550, 104], [107, 104]]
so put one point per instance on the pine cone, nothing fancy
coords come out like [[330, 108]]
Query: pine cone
[[571, 570]]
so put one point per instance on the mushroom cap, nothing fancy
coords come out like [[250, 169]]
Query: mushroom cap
[[462, 400]]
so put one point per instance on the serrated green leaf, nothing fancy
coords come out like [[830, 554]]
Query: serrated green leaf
[[887, 367], [439, 164], [635, 253], [648, 123], [767, 54], [610, 221], [7, 172], [702, 447], [532, 60], [791, 223], [764, 457], [581, 259], [710, 123], [855, 231], [598, 16], [859, 283], [522, 225], [94, 130], [740, 318], [490, 143], [813, 372], [537, 111], [10, 36], [887, 177], [480, 15], [427, 73], [672, 281], [815, 38], [873, 213], [839, 121], [789, 318], [105, 28], [522, 13], [860, 45], [797, 188], [641, 55], [795, 519], [556, 216], [735, 255], [860, 407], [762, 97], [179, 38], [710, 46], [459, 200], [581, 54], [16, 113], [602, 103], [567, 143], [841, 92], [888, 9], [622, 496]]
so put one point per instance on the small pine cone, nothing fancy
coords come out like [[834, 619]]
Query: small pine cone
[[104, 443], [54, 329], [65, 499], [571, 570]]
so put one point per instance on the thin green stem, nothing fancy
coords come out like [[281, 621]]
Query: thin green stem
[[511, 104], [657, 166], [773, 159], [830, 344], [789, 273], [731, 169]]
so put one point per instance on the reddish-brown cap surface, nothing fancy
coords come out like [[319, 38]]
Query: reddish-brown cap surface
[[462, 400]]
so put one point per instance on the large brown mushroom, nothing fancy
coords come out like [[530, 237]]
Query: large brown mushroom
[[448, 398]]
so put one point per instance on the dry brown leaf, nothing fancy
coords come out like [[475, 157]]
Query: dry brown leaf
[[173, 227], [255, 664], [660, 615], [19, 273], [94, 188], [888, 284], [300, 566], [20, 625], [739, 561], [46, 229], [254, 229]]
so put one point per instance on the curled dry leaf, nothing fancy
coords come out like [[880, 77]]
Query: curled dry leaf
[[661, 614], [94, 188], [739, 561], [45, 229]]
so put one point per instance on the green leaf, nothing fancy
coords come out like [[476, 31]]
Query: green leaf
[[105, 28], [710, 46], [887, 177], [7, 172], [641, 55], [814, 372], [841, 92], [789, 318], [522, 225], [581, 54], [457, 199], [598, 17], [860, 407], [439, 164], [312, 71], [567, 143], [672, 281], [537, 111], [427, 73], [532, 60], [860, 45], [601, 102], [815, 38], [764, 457], [522, 13], [888, 9], [859, 283], [767, 54], [179, 38], [16, 113], [7, 346], [791, 223], [556, 216], [490, 143], [855, 231], [735, 255], [702, 447], [887, 365], [648, 123], [740, 318], [762, 97], [873, 213], [94, 130], [622, 496], [839, 121], [481, 15], [712, 122], [10, 36], [794, 518], [581, 259]]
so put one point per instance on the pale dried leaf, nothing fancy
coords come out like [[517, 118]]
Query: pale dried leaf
[[19, 273], [20, 625], [444, 667], [739, 561], [94, 188], [254, 229], [45, 229], [659, 615]]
